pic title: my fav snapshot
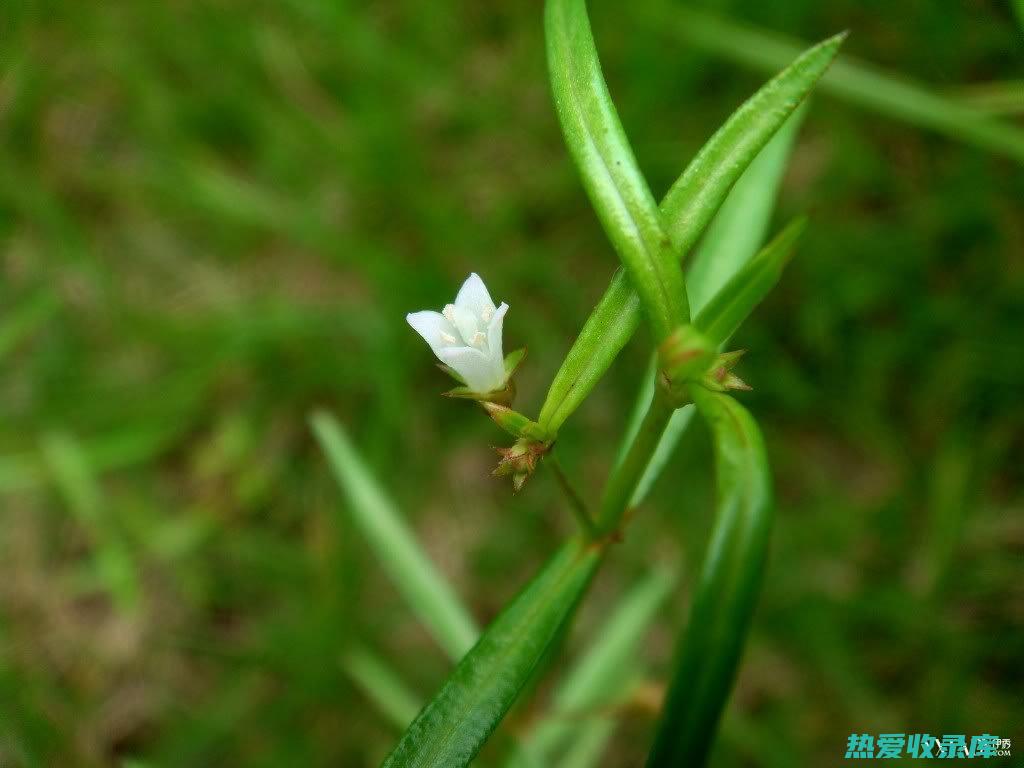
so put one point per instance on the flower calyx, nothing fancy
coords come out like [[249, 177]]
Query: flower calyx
[[531, 445], [721, 377]]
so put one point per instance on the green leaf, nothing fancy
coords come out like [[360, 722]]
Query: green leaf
[[855, 82], [697, 195], [739, 228], [598, 680], [426, 591], [731, 241], [589, 745], [726, 592], [611, 324], [453, 727], [687, 210], [748, 287], [616, 188]]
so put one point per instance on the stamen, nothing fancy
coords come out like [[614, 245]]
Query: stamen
[[478, 339], [449, 313], [447, 338], [486, 315]]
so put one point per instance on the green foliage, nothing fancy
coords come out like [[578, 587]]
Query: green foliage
[[602, 675], [731, 240], [428, 595], [452, 728], [727, 310], [382, 686], [726, 591], [610, 174], [214, 217], [881, 92], [687, 210], [700, 191]]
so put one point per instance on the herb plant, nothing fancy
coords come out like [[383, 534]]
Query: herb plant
[[712, 217]]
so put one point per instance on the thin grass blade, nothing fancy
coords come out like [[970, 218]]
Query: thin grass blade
[[381, 685], [853, 81], [428, 594]]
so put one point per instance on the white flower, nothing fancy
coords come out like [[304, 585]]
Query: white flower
[[466, 336]]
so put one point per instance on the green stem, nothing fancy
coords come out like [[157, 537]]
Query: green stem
[[576, 503], [623, 481]]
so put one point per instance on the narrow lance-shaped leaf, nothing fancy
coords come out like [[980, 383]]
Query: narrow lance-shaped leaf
[[686, 210], [426, 591], [604, 672], [740, 226], [617, 189], [726, 593], [748, 287], [730, 242], [884, 93], [381, 685], [697, 194], [453, 727]]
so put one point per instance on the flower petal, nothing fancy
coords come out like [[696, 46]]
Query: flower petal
[[473, 296], [494, 330], [474, 366], [430, 325]]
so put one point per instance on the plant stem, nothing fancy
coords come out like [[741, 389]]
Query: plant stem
[[576, 503], [625, 477]]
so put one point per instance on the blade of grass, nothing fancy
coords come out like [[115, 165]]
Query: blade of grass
[[453, 727], [589, 745], [613, 181], [382, 686], [712, 642], [428, 594], [1000, 98], [856, 82], [21, 472], [687, 209]]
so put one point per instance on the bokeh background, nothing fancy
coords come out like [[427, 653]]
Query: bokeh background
[[214, 217]]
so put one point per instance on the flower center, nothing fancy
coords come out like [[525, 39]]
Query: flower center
[[471, 329]]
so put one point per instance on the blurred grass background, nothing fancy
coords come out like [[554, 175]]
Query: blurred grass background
[[214, 217]]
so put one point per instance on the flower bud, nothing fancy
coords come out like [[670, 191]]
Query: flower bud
[[520, 460], [721, 378], [514, 423]]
